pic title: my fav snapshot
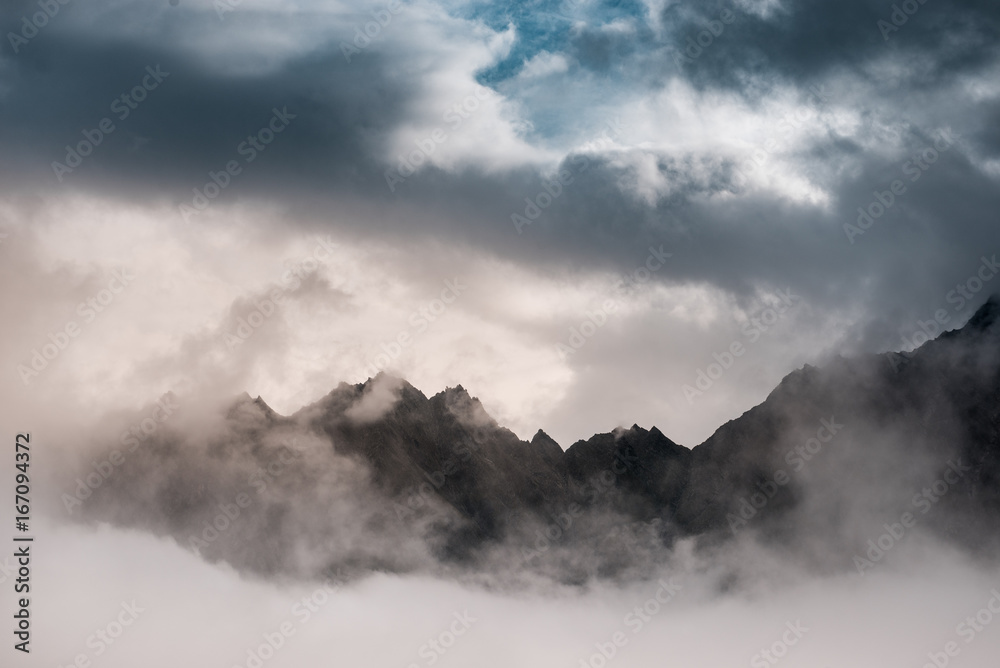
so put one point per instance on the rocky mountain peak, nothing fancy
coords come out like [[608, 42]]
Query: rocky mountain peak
[[986, 317]]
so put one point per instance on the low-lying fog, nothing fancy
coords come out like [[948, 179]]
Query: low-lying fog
[[179, 610]]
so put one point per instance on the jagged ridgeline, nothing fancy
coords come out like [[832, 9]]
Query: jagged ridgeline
[[379, 477]]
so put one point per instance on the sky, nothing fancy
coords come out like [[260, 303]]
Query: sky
[[589, 214]]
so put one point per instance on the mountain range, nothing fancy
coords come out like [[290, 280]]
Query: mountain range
[[379, 477]]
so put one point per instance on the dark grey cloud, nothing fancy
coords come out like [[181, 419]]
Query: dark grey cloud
[[807, 39], [329, 164]]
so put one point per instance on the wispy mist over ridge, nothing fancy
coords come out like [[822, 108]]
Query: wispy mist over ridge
[[836, 467]]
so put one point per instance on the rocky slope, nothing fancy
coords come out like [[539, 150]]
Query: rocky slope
[[378, 476]]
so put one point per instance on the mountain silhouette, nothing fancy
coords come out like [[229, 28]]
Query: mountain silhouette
[[379, 477]]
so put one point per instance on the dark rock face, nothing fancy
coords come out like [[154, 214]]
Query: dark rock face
[[648, 468], [447, 445], [379, 476]]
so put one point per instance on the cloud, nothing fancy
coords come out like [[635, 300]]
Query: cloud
[[678, 174], [544, 64], [378, 399], [555, 626]]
